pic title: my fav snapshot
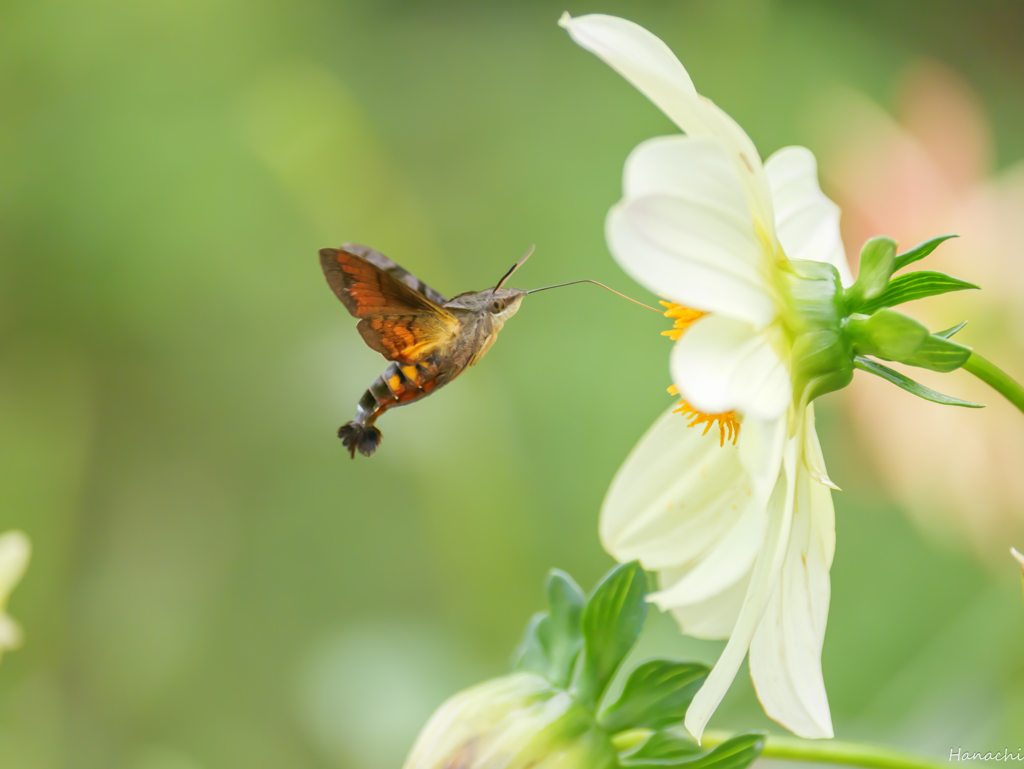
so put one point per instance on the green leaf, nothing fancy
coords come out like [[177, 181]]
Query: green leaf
[[662, 747], [612, 620], [939, 354], [916, 285], [735, 753], [948, 333], [920, 251], [656, 694], [529, 655], [908, 384], [554, 639], [876, 267]]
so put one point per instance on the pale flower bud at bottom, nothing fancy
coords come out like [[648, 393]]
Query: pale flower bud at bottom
[[514, 722]]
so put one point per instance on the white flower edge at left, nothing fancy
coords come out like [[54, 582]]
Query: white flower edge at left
[[15, 551]]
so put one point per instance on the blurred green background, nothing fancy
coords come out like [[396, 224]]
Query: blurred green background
[[214, 582]]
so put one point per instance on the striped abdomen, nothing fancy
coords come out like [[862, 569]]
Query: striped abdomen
[[397, 386]]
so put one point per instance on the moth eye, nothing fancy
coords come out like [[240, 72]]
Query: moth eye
[[497, 306]]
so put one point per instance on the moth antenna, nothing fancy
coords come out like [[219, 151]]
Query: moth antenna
[[515, 267], [602, 285]]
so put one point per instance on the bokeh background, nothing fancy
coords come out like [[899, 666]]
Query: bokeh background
[[215, 584]]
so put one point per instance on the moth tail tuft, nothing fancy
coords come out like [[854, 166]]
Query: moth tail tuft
[[356, 435]]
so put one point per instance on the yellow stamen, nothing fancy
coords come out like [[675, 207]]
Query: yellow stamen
[[683, 317], [728, 421]]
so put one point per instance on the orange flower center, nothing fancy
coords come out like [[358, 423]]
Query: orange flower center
[[728, 421]]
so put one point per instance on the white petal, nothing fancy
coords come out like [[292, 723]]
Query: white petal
[[722, 364], [760, 445], [785, 654], [15, 550], [724, 565], [806, 221], [646, 62], [813, 457], [713, 618], [675, 497], [694, 253], [697, 170], [763, 583]]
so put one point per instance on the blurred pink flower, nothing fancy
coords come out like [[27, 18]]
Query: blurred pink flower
[[958, 472]]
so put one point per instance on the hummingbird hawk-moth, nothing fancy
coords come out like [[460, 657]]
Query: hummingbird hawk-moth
[[429, 339]]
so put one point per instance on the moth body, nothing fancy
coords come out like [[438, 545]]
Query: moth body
[[428, 339]]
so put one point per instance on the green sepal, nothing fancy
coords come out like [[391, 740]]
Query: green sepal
[[920, 251], [822, 356], [667, 751], [908, 384], [554, 638], [612, 620], [657, 694], [915, 285], [948, 333], [938, 353], [890, 335], [886, 334], [877, 263]]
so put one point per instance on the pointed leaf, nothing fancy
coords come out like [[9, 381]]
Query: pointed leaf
[[915, 285], [735, 753], [948, 333], [662, 747], [530, 655], [612, 620], [908, 384], [876, 267], [656, 695], [554, 639], [920, 251]]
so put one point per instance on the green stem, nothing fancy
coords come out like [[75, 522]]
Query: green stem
[[832, 752], [996, 378]]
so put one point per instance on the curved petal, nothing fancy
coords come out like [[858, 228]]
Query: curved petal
[[674, 498], [697, 170], [723, 364], [694, 252], [785, 654], [15, 550], [813, 457], [646, 62], [763, 583], [760, 446], [724, 565], [806, 221], [713, 618]]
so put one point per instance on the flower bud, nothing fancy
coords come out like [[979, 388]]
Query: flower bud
[[520, 721]]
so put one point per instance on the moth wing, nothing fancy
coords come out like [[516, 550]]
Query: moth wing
[[397, 321], [395, 270]]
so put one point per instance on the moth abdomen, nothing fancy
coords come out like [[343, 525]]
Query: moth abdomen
[[397, 386]]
